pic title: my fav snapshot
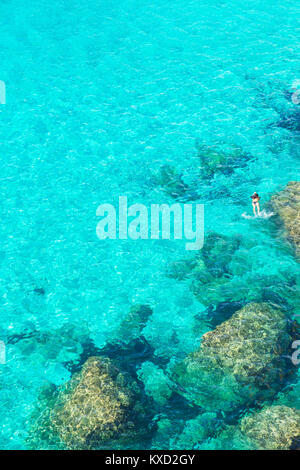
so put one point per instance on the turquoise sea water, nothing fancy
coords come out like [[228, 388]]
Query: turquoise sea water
[[101, 95]]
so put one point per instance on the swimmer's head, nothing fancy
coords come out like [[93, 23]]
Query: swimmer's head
[[255, 196]]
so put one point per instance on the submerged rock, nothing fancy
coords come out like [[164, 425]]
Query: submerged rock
[[239, 361], [211, 262], [290, 121], [273, 428], [157, 384], [99, 406], [217, 252], [196, 430], [181, 269], [171, 181], [286, 204], [207, 271], [39, 291], [133, 324], [290, 396], [220, 159], [225, 270]]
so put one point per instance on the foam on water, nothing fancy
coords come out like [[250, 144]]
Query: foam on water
[[262, 215]]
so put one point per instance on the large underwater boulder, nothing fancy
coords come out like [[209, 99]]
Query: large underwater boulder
[[99, 406], [273, 428], [239, 361], [286, 204], [220, 159]]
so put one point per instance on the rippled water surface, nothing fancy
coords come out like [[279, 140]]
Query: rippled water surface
[[100, 96]]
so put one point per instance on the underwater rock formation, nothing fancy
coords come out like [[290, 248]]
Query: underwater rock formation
[[181, 269], [196, 430], [220, 159], [217, 252], [210, 280], [290, 121], [211, 262], [286, 204], [157, 384], [133, 324], [290, 396], [99, 406], [239, 361], [126, 344], [224, 271], [273, 428], [172, 183]]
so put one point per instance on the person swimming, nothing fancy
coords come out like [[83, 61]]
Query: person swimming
[[255, 203]]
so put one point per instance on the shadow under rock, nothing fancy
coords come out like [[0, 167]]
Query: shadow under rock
[[128, 355], [222, 312]]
